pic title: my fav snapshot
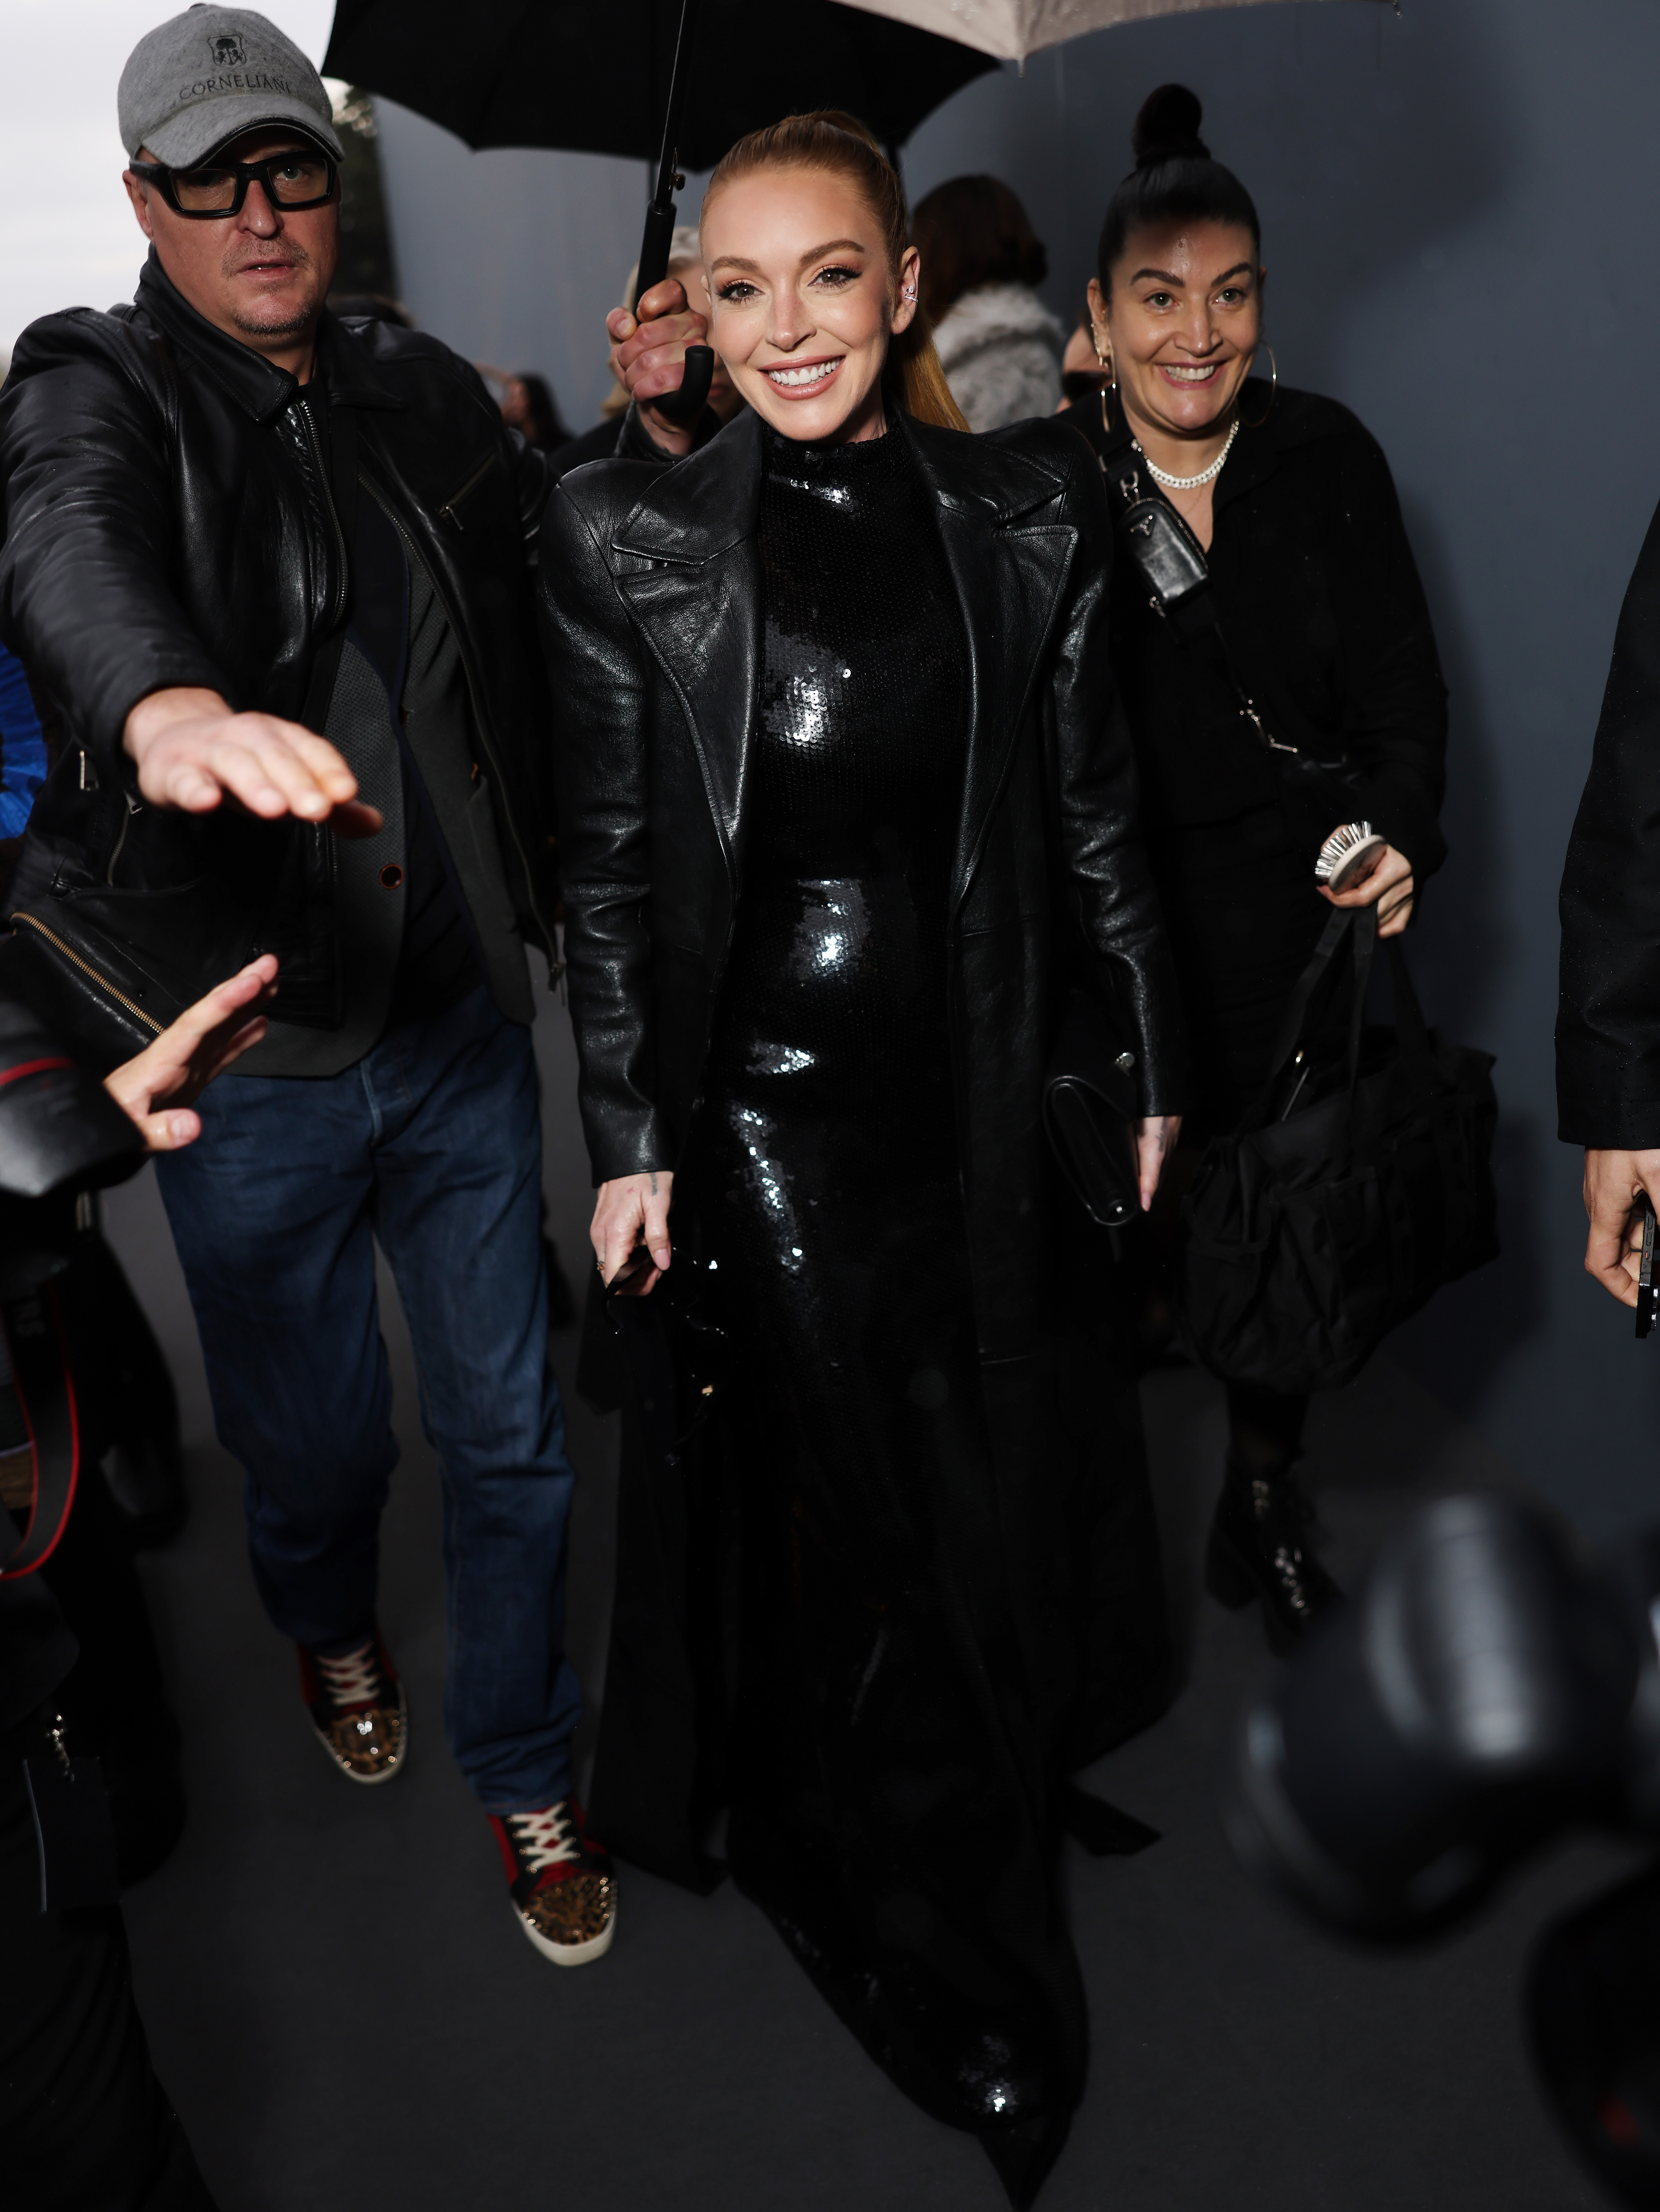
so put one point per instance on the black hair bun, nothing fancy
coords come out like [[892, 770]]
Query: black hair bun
[[1167, 129]]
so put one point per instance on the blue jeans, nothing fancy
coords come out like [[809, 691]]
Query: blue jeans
[[433, 1144]]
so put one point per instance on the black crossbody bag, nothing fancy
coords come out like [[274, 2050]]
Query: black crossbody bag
[[1172, 564], [1348, 1194]]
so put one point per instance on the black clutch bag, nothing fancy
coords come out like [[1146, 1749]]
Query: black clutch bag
[[1089, 1106]]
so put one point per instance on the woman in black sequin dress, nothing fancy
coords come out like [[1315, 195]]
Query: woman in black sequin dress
[[844, 802]]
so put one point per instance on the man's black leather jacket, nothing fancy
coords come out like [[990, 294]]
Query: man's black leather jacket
[[168, 520]]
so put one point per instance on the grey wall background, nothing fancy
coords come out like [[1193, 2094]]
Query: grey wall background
[[1459, 216]]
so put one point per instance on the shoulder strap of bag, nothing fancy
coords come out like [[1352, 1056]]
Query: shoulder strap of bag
[[1172, 564], [1162, 547], [1357, 927], [1410, 1027]]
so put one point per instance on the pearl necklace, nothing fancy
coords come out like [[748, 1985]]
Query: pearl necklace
[[1190, 483]]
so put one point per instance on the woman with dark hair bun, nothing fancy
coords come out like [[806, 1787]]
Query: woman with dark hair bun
[[1311, 639]]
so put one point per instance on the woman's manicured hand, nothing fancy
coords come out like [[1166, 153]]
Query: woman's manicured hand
[[158, 1087], [633, 1210], [1155, 1136], [1387, 886]]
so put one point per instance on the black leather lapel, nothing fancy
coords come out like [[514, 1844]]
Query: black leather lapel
[[1010, 565], [698, 607]]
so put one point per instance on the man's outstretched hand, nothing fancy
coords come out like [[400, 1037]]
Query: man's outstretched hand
[[158, 1087], [1613, 1179], [648, 351], [192, 753]]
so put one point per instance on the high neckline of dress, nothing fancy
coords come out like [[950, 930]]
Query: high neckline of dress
[[834, 472]]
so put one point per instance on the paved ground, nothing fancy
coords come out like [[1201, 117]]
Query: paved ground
[[350, 2022]]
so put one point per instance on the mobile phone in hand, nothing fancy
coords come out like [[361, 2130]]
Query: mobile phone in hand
[[1644, 1214], [629, 1281]]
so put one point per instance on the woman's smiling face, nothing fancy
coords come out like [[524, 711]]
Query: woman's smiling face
[[1184, 318], [802, 302]]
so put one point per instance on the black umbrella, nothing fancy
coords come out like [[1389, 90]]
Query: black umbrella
[[593, 76], [597, 80]]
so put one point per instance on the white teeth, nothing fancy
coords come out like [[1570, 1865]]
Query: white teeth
[[1189, 376], [816, 375]]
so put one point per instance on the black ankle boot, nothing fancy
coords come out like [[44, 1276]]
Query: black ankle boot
[[1259, 1549]]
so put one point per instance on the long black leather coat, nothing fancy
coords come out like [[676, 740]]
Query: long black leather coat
[[168, 520], [651, 620]]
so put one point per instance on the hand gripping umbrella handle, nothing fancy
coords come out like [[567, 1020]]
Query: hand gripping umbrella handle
[[685, 405]]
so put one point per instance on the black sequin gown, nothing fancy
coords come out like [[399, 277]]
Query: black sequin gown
[[883, 1811]]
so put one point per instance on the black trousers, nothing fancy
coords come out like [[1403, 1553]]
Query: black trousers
[[85, 2126]]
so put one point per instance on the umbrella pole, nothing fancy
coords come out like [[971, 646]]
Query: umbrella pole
[[686, 404]]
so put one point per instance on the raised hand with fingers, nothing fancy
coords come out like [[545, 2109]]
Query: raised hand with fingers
[[158, 1087], [193, 753]]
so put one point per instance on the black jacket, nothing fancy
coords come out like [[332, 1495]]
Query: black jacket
[[1608, 1022], [168, 521], [653, 641], [1318, 597]]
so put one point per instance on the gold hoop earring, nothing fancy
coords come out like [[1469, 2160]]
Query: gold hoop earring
[[1274, 387], [1105, 360]]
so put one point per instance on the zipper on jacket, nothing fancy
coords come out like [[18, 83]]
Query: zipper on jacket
[[447, 511], [134, 806], [315, 445], [102, 982], [550, 941]]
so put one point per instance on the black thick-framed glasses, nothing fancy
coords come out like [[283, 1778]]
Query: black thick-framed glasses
[[300, 179]]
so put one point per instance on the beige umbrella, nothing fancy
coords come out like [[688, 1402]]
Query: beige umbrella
[[1014, 29]]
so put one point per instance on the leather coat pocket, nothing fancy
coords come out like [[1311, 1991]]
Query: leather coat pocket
[[108, 970]]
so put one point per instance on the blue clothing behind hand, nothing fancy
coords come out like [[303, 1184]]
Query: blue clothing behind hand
[[22, 748]]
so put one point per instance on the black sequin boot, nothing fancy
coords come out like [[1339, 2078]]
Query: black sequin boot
[[1259, 1549]]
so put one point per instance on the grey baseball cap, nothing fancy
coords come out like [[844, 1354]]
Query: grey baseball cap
[[203, 76]]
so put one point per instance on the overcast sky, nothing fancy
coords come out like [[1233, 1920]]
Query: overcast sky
[[67, 235]]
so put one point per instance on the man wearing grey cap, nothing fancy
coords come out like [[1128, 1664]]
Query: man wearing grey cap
[[271, 571]]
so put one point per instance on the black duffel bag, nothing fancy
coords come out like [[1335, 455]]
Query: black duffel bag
[[1325, 1220]]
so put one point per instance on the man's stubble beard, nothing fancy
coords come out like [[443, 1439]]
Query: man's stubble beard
[[294, 326], [292, 323]]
